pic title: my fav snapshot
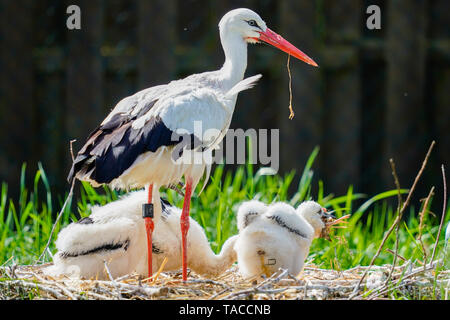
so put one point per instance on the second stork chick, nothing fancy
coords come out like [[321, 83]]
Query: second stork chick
[[115, 234], [277, 236]]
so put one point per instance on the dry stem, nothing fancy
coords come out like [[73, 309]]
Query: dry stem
[[399, 215], [422, 217], [69, 197], [292, 114], [444, 211]]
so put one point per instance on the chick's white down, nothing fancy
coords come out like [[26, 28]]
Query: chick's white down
[[117, 235], [275, 236]]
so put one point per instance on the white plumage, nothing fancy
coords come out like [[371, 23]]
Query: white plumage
[[180, 112], [276, 236], [154, 114], [115, 233], [138, 144]]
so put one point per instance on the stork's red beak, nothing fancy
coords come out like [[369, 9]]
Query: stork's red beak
[[279, 42]]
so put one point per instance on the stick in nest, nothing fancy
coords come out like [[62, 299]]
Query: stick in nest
[[397, 229], [119, 294], [399, 215], [444, 211], [292, 114], [161, 268], [71, 148], [421, 224], [68, 199]]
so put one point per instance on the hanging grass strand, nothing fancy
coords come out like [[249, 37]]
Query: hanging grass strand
[[292, 114]]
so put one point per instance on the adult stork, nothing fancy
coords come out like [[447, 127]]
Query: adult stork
[[142, 141]]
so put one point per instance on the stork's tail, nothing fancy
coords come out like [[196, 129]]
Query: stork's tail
[[245, 84]]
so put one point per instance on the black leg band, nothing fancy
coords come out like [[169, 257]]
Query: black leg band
[[147, 210]]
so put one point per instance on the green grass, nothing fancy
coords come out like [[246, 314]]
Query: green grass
[[25, 225]]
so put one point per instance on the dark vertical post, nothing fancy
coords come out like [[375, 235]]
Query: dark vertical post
[[17, 142], [299, 136], [439, 92], [157, 35], [341, 153], [405, 55], [52, 144], [85, 74]]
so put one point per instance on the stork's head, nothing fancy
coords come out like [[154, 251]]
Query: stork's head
[[316, 215], [253, 29]]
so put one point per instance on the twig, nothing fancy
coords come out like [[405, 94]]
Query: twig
[[401, 257], [380, 293], [399, 206], [400, 283], [397, 183], [260, 288], [208, 281], [69, 197], [292, 114], [176, 189], [9, 259], [119, 295], [283, 273], [62, 288], [407, 276], [218, 294], [394, 262], [126, 277], [399, 216], [62, 209], [97, 296], [422, 218], [31, 285], [444, 211], [161, 268], [143, 290], [271, 278], [71, 148]]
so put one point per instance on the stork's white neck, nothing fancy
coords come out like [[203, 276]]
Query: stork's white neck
[[235, 49]]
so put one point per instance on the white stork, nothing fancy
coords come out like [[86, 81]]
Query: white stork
[[115, 234], [277, 236], [138, 142]]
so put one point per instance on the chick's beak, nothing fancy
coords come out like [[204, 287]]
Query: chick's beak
[[327, 215]]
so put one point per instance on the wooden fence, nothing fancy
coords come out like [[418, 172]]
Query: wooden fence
[[378, 93]]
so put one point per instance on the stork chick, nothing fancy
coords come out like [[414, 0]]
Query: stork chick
[[276, 236], [115, 234]]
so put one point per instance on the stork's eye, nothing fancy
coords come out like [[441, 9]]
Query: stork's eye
[[252, 23]]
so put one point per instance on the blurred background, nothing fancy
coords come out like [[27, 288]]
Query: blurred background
[[377, 94]]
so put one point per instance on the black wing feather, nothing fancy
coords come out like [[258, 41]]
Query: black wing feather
[[115, 145]]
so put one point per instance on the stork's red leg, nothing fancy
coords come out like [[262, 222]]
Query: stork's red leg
[[184, 221], [147, 213]]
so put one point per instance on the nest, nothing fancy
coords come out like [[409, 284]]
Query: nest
[[28, 282]]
